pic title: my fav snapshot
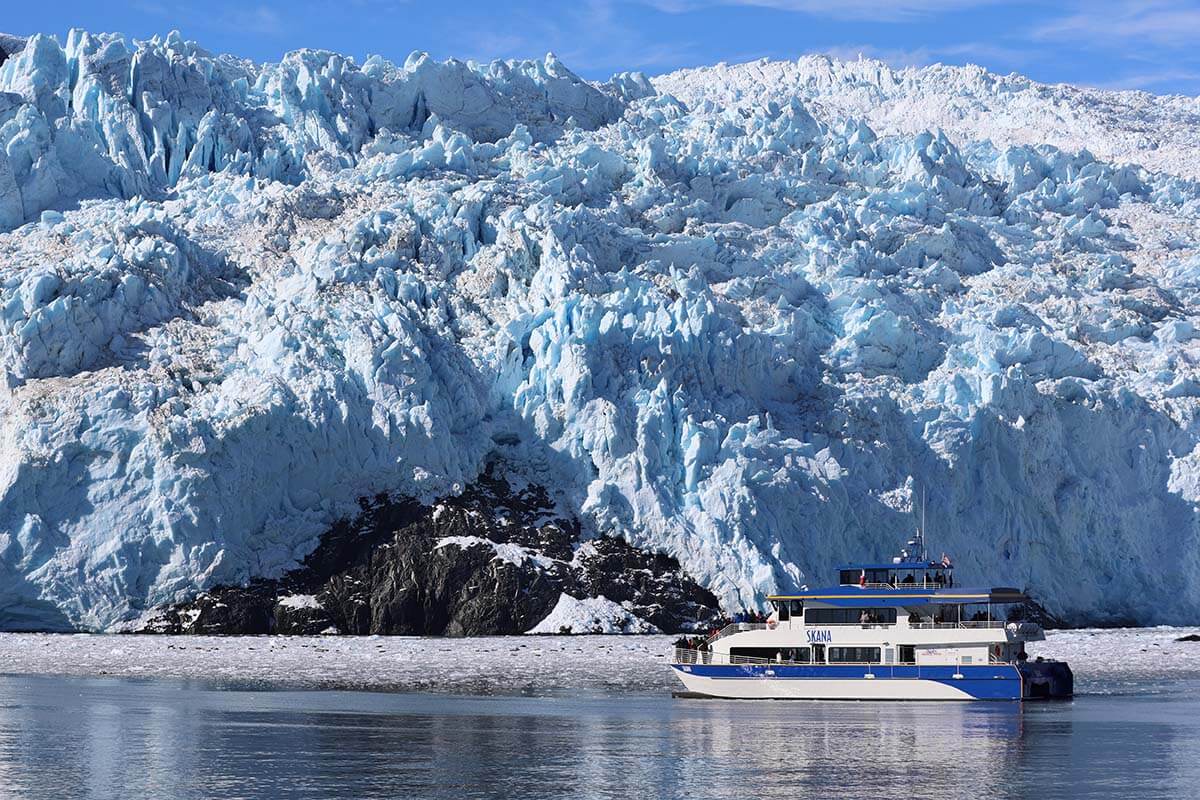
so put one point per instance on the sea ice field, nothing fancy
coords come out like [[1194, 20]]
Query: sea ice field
[[1105, 661]]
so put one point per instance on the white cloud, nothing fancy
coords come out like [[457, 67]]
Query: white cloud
[[1153, 80], [873, 10], [255, 19], [1121, 24], [588, 37], [261, 19]]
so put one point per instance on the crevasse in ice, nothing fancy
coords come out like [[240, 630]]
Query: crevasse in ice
[[746, 328]]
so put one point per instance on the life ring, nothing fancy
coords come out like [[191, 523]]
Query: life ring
[[771, 624]]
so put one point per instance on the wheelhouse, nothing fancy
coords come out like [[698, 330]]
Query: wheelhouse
[[912, 607], [897, 575]]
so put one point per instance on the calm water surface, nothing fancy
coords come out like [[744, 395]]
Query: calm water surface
[[101, 738]]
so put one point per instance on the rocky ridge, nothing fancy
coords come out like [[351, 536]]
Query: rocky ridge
[[492, 560]]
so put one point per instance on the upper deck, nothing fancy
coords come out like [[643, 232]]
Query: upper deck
[[902, 596], [899, 573]]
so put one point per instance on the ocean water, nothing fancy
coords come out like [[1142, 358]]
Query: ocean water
[[104, 737]]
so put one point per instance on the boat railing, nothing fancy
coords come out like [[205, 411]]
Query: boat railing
[[684, 655], [956, 625], [736, 627]]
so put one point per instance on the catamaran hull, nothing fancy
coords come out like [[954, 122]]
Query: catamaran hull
[[769, 682]]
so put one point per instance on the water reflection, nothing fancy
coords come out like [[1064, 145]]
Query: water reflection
[[101, 738]]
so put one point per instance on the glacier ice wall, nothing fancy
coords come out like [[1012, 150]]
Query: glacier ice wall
[[970, 102], [234, 298]]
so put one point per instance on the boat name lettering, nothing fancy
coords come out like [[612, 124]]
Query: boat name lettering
[[820, 636]]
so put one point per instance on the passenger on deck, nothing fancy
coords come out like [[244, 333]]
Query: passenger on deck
[[909, 579], [914, 618], [864, 618]]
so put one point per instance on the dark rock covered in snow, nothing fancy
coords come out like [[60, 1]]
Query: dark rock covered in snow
[[493, 560]]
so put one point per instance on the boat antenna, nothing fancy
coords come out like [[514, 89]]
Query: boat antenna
[[924, 548], [917, 543]]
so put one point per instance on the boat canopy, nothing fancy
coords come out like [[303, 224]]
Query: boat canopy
[[855, 597], [897, 565]]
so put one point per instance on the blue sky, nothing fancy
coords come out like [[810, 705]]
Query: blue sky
[[1148, 45]]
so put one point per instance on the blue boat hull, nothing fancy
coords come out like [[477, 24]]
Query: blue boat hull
[[853, 681]]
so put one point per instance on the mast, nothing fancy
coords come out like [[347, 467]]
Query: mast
[[917, 542], [924, 549]]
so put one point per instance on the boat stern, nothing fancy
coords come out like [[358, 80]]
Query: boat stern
[[1046, 680]]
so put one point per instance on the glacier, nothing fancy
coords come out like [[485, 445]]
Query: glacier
[[748, 316]]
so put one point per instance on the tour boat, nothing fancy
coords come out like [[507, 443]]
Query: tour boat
[[896, 631]]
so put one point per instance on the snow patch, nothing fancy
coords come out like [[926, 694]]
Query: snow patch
[[299, 601], [507, 552], [590, 615]]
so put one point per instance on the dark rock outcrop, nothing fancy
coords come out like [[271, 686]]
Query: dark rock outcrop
[[10, 45], [493, 560], [1033, 611]]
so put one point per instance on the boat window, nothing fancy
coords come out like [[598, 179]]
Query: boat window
[[854, 655], [852, 577], [797, 608], [850, 616], [784, 609]]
